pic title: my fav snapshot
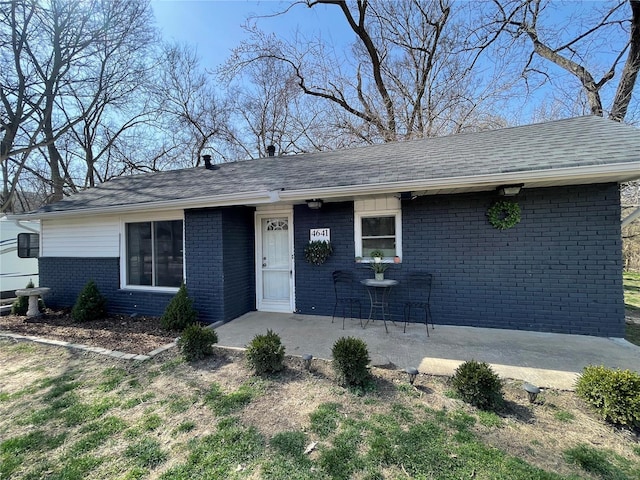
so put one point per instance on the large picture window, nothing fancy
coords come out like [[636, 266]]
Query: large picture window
[[154, 253]]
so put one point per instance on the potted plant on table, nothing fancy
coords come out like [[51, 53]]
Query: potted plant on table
[[377, 266]]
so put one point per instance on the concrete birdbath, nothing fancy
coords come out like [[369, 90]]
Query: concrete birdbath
[[33, 294]]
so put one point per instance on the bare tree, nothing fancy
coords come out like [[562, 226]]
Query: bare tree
[[408, 74], [190, 107], [68, 62], [270, 109], [574, 42]]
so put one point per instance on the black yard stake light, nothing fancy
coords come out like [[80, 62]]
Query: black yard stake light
[[532, 391], [306, 358], [412, 372]]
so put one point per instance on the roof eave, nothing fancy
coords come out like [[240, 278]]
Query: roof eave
[[560, 176]]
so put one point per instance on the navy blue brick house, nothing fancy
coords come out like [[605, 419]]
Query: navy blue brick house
[[245, 226]]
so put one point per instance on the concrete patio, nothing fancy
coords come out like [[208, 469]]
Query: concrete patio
[[544, 359]]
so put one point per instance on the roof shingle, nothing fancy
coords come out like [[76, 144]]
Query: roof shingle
[[569, 143]]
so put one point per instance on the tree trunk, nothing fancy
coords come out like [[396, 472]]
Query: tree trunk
[[631, 67]]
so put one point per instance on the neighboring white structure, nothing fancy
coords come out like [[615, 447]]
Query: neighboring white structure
[[19, 251]]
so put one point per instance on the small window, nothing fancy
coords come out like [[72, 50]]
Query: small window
[[28, 245], [154, 253], [378, 231]]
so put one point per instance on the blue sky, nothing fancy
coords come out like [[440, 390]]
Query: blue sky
[[215, 26]]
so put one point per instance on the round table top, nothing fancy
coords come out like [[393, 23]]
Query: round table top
[[372, 282]]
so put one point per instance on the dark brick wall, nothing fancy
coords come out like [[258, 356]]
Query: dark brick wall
[[239, 262], [314, 286], [559, 270], [203, 247], [67, 276], [220, 262]]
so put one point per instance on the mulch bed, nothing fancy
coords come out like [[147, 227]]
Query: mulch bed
[[123, 333]]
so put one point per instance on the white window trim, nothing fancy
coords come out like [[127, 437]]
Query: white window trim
[[148, 217], [358, 216]]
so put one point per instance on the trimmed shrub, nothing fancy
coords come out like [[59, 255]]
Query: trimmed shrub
[[478, 384], [196, 342], [21, 304], [615, 394], [350, 360], [265, 353], [180, 313], [90, 305]]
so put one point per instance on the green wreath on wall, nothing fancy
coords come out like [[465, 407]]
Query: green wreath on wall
[[504, 214], [317, 252]]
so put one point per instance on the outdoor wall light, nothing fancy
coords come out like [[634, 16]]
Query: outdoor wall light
[[412, 373], [532, 391], [306, 358], [509, 190], [314, 204]]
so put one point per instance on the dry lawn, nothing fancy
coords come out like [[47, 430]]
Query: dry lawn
[[165, 399]]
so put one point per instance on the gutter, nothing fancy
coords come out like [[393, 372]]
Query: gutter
[[576, 175], [559, 176]]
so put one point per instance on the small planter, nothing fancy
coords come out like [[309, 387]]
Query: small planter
[[379, 276]]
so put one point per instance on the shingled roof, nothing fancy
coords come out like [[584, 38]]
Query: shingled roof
[[573, 151]]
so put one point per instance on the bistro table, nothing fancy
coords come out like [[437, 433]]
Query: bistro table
[[379, 291]]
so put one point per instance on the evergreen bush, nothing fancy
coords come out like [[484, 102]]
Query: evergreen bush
[[180, 313], [196, 342], [265, 353], [615, 394], [90, 305], [478, 384], [350, 360]]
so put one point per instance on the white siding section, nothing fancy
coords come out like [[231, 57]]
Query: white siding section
[[377, 204], [81, 237]]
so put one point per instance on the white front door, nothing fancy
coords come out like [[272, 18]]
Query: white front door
[[274, 262]]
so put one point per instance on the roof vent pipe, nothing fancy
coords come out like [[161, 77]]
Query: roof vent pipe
[[207, 163], [271, 150]]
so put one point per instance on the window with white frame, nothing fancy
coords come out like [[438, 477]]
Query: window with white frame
[[154, 252], [377, 229]]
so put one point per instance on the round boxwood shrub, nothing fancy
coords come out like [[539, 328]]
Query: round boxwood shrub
[[615, 394], [196, 342], [265, 353], [180, 312], [350, 360], [90, 305], [478, 384]]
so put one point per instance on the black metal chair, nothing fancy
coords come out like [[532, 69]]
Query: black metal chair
[[418, 286], [343, 288]]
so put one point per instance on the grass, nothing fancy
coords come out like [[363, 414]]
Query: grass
[[632, 305], [100, 421], [632, 290], [225, 403]]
